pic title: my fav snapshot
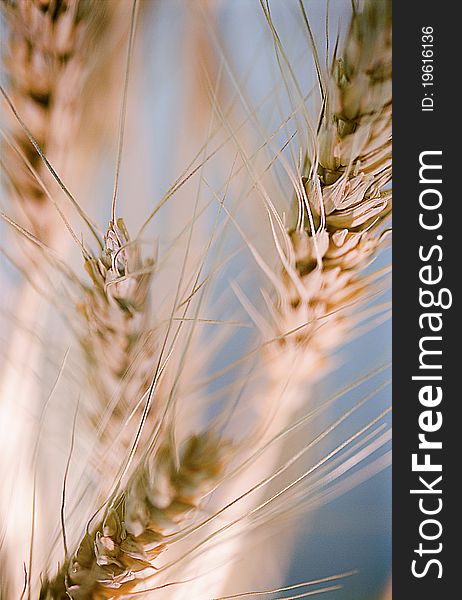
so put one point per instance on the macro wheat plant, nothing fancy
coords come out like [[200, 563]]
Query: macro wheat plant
[[188, 263]]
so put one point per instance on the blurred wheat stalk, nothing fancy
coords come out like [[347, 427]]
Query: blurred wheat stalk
[[49, 57], [152, 488], [48, 51]]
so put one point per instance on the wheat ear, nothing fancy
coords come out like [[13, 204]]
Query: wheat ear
[[343, 204], [47, 61], [121, 550], [342, 208], [116, 340]]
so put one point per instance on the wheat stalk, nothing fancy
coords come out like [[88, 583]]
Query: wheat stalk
[[122, 549], [342, 207], [51, 68]]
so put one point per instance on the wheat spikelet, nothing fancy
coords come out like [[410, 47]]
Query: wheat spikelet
[[122, 549]]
